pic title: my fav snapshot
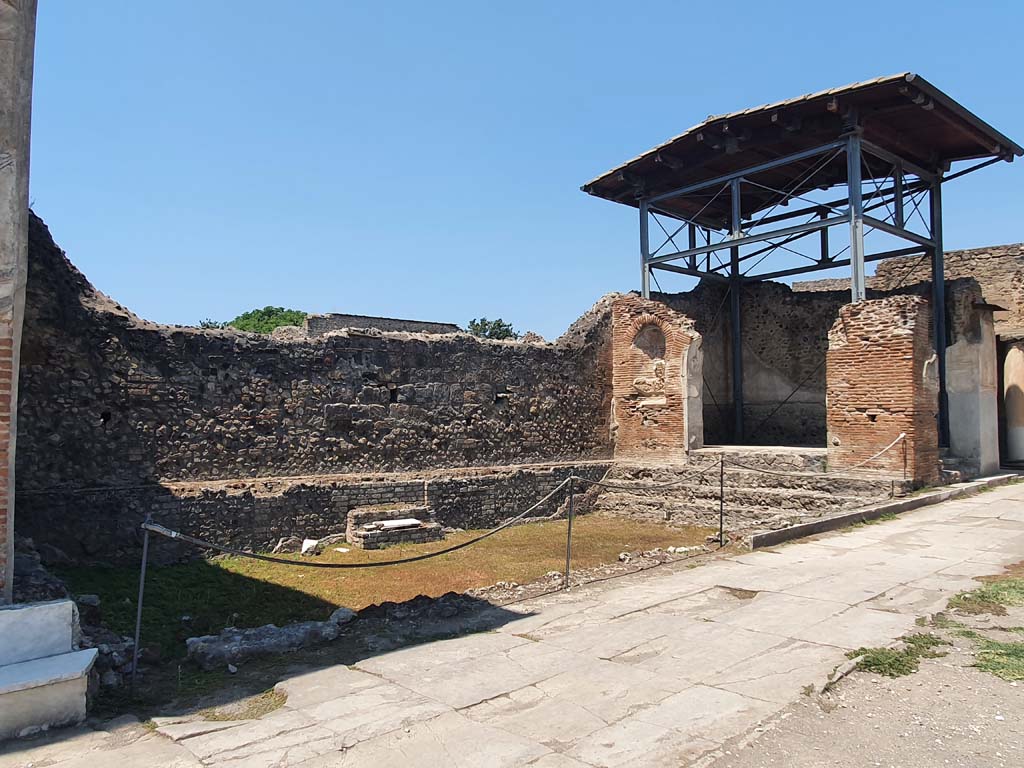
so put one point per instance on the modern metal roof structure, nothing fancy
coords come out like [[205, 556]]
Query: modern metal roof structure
[[867, 158]]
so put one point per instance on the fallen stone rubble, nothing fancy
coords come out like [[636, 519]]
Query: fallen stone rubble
[[233, 645]]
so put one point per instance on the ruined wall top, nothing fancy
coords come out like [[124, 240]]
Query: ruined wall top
[[999, 269], [318, 325]]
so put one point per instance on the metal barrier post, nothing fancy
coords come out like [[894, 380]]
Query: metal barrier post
[[138, 612], [721, 502], [568, 536]]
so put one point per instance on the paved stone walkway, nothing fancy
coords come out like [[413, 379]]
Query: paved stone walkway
[[655, 669]]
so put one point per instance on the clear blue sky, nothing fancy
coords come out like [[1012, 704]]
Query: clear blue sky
[[200, 158]]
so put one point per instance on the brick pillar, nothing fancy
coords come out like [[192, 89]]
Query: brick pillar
[[656, 381], [881, 380], [17, 30]]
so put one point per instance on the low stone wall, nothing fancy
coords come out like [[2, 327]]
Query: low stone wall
[[102, 525]]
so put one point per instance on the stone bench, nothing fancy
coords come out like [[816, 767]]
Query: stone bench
[[383, 525], [43, 678]]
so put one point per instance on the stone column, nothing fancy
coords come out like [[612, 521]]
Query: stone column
[[882, 381], [972, 381], [1013, 401], [17, 41]]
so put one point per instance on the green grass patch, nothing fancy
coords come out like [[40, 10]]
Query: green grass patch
[[897, 662], [991, 598], [1005, 660], [204, 596]]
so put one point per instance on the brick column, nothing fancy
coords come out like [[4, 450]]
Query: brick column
[[881, 381], [656, 381], [17, 30]]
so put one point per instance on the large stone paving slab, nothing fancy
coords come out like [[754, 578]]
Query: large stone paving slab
[[634, 742], [701, 652], [780, 614], [781, 674], [530, 712], [451, 740], [857, 628]]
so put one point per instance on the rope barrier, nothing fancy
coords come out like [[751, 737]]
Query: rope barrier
[[178, 536], [868, 460]]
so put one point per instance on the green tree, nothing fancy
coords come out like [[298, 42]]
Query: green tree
[[492, 329], [267, 319], [208, 323]]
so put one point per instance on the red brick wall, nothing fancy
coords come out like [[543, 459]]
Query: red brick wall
[[650, 347], [881, 381]]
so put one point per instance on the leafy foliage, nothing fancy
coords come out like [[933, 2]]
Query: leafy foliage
[[492, 329], [259, 320], [267, 319]]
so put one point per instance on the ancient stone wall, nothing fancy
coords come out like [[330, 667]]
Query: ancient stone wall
[[882, 382], [109, 399], [999, 269], [656, 375], [113, 409], [318, 325], [102, 524]]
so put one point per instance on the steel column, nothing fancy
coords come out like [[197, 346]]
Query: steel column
[[898, 196], [939, 308], [645, 251], [735, 318], [853, 180]]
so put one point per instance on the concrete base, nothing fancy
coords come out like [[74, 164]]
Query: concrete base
[[29, 711]]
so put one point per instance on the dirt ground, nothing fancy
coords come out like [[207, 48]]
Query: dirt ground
[[947, 714]]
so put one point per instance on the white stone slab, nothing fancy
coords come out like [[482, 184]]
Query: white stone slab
[[52, 669], [35, 630], [408, 522]]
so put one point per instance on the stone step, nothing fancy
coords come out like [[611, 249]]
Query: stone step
[[842, 484], [758, 498], [736, 519], [44, 693], [803, 459]]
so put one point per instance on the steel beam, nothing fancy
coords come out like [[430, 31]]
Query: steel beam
[[858, 283], [939, 308], [810, 226], [645, 251], [778, 162], [889, 157], [691, 272], [892, 229], [832, 264]]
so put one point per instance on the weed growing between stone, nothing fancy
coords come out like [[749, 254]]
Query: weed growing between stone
[[1000, 658], [897, 662], [1005, 660]]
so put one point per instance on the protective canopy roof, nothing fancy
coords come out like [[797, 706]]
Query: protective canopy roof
[[903, 114]]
